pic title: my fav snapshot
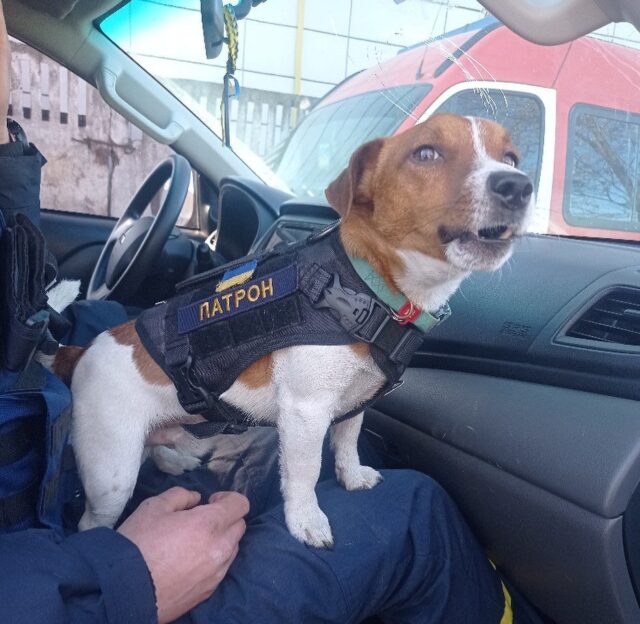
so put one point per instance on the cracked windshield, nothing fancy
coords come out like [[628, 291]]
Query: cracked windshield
[[317, 78]]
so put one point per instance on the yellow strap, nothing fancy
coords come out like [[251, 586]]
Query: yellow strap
[[231, 26], [507, 614]]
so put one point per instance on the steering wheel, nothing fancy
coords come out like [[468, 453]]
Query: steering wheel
[[136, 241]]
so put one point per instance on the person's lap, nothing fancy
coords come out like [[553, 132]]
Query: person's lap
[[402, 551]]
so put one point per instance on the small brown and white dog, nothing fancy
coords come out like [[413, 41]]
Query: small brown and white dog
[[424, 208]]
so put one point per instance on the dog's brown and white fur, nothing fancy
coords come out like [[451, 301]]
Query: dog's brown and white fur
[[412, 205]]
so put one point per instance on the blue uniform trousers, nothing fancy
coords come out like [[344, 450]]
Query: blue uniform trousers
[[402, 550]]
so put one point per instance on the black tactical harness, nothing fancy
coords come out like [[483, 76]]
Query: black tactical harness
[[305, 294]]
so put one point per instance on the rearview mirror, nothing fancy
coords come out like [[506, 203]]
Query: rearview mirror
[[213, 22], [212, 27]]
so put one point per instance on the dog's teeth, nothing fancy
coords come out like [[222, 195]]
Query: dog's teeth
[[508, 233]]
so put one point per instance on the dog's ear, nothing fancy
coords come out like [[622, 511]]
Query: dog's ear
[[354, 185]]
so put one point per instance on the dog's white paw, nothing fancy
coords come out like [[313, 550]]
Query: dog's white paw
[[309, 525], [172, 462], [358, 478]]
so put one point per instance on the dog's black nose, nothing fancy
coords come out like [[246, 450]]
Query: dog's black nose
[[512, 188]]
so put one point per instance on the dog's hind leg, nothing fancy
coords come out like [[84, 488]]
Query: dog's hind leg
[[302, 427], [113, 409], [344, 441], [108, 466]]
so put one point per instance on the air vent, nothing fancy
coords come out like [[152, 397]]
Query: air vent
[[614, 318]]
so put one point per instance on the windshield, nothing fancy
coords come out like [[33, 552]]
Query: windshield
[[318, 78]]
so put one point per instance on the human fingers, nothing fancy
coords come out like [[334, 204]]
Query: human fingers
[[226, 508], [177, 499]]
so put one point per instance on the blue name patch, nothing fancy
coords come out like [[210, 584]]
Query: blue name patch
[[221, 306]]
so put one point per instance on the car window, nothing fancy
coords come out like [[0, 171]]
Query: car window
[[602, 168], [96, 159], [327, 137], [521, 113]]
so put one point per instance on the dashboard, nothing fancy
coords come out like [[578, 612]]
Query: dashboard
[[253, 218]]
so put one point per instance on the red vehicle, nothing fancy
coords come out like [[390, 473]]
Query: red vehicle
[[580, 141]]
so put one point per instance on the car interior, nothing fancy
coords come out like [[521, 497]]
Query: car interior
[[524, 405]]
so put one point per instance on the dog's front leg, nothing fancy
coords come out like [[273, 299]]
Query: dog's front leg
[[302, 426], [349, 471]]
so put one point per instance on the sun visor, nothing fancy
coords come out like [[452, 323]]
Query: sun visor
[[57, 8], [550, 22]]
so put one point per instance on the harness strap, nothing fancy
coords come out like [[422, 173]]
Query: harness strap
[[210, 428], [384, 391]]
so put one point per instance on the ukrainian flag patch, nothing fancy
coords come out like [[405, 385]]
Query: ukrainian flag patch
[[227, 303], [237, 276]]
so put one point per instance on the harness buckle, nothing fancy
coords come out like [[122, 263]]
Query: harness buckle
[[354, 311], [188, 381], [385, 318]]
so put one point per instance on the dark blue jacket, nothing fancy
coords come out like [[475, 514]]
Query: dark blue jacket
[[96, 576]]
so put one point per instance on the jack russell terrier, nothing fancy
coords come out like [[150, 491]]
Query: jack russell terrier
[[423, 209]]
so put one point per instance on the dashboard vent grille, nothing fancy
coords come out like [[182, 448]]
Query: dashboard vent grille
[[614, 318]]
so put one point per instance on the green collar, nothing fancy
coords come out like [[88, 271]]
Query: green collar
[[425, 322]]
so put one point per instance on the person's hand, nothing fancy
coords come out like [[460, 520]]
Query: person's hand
[[5, 77], [188, 547]]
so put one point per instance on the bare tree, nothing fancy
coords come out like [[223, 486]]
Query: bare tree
[[604, 167]]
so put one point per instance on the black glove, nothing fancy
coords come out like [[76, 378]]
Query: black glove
[[26, 265]]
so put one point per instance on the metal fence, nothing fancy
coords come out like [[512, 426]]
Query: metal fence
[[260, 119]]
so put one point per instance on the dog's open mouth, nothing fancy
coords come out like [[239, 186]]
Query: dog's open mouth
[[491, 234], [496, 233]]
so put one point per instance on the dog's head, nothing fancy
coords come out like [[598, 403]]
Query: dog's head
[[448, 188]]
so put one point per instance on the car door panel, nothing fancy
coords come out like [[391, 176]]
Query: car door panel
[[76, 241], [569, 562], [524, 428]]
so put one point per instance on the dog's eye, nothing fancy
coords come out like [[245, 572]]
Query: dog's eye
[[426, 152], [510, 159]]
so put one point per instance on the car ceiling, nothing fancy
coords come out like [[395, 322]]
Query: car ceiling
[[551, 22], [62, 8], [57, 8]]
